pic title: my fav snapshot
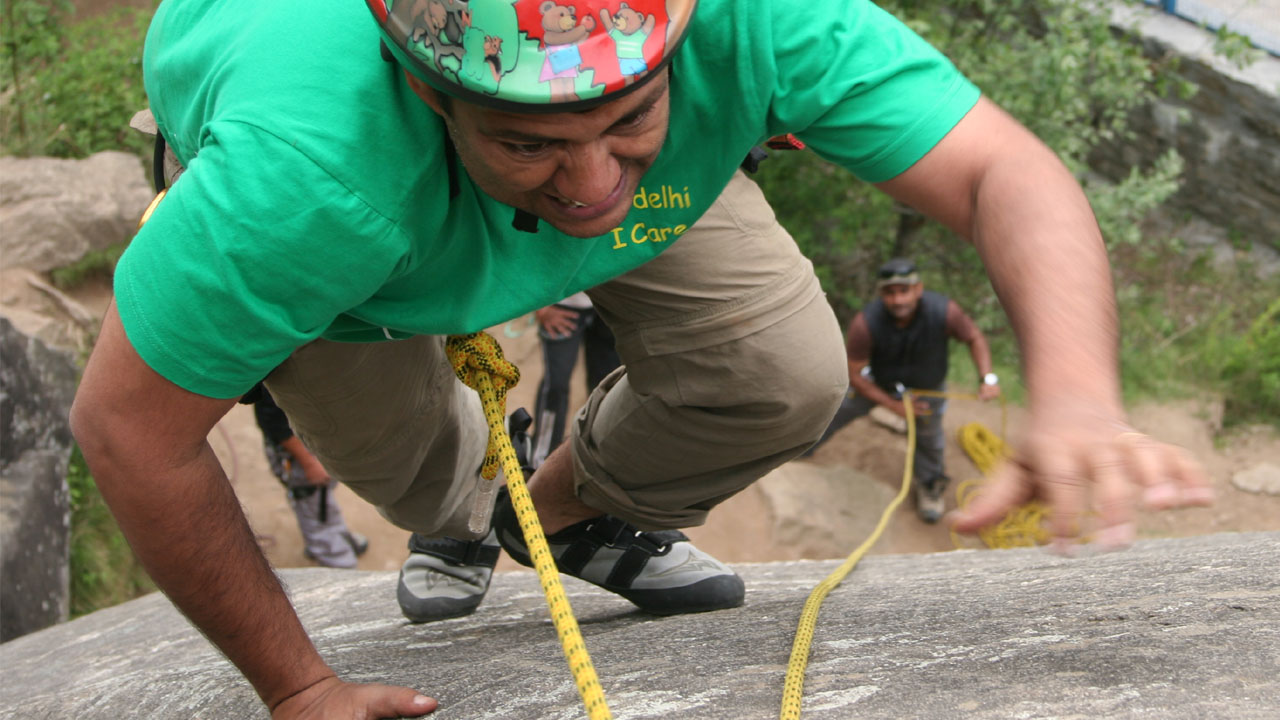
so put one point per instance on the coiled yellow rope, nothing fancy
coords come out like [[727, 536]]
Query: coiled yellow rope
[[1022, 526], [793, 687], [478, 361]]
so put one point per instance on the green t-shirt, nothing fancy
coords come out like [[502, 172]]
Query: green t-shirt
[[316, 201]]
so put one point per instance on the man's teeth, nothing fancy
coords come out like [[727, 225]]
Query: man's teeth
[[570, 203]]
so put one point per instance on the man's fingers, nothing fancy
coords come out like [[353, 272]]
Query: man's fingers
[[1112, 497], [1197, 488], [1145, 466], [1008, 488], [1065, 489], [385, 701]]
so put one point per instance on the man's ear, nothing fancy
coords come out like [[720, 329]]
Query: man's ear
[[426, 92]]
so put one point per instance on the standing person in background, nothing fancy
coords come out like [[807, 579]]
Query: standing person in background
[[562, 329], [325, 535], [901, 341]]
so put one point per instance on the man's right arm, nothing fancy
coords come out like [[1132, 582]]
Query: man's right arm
[[144, 439]]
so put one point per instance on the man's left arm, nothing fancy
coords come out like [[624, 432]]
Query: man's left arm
[[962, 327], [993, 182]]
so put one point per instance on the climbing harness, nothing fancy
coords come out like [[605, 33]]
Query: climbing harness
[[477, 359]]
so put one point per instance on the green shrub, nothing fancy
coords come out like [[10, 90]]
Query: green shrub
[[1248, 367], [70, 87], [1062, 71]]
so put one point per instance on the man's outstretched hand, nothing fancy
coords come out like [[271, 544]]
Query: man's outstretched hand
[[1079, 460], [334, 699]]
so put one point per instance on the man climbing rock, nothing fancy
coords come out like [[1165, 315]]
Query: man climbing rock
[[345, 206]]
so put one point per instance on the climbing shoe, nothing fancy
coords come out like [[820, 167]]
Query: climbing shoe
[[445, 578], [660, 572], [930, 503]]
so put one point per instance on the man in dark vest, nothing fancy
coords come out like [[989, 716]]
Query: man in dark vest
[[900, 341]]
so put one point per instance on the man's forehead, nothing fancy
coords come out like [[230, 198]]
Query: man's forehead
[[543, 126]]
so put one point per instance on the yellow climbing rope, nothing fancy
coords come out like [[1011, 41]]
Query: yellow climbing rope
[[793, 687], [478, 361], [1022, 526]]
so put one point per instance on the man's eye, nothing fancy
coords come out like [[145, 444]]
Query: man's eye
[[527, 149]]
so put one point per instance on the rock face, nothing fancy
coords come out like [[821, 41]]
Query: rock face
[[36, 388], [1171, 629], [53, 211]]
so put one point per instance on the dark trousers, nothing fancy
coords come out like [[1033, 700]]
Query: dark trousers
[[559, 356], [930, 440]]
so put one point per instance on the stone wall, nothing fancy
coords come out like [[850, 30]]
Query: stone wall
[[1228, 134]]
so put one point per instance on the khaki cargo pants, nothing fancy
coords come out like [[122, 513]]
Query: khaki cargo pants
[[733, 364]]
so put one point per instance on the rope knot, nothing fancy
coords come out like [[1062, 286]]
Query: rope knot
[[480, 353], [478, 362]]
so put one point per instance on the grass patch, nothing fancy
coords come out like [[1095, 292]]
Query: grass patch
[[104, 570], [94, 264]]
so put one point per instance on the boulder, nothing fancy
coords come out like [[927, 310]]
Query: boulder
[[1174, 629], [53, 211], [36, 388], [1261, 478]]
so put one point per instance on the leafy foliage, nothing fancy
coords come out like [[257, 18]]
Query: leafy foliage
[[1062, 71], [69, 88]]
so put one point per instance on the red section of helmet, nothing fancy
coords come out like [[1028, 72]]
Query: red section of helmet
[[597, 49], [379, 8]]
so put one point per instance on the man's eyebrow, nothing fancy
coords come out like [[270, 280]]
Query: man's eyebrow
[[634, 114]]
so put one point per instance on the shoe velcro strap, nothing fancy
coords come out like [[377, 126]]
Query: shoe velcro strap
[[607, 531], [577, 555], [629, 565], [611, 531], [456, 551]]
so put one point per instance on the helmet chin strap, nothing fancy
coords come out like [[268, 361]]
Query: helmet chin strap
[[525, 221]]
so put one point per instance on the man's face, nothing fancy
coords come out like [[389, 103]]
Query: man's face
[[577, 171], [902, 300]]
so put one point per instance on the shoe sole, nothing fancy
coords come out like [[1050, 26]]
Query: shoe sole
[[416, 610]]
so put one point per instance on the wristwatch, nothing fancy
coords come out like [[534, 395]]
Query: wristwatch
[[990, 379]]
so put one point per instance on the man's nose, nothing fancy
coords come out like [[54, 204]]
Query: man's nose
[[588, 174]]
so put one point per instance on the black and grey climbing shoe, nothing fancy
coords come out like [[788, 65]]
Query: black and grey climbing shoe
[[661, 572], [445, 578]]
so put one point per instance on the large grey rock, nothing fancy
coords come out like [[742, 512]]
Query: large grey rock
[[36, 388], [53, 211], [1170, 629]]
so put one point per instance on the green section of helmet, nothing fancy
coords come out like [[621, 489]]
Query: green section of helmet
[[474, 50]]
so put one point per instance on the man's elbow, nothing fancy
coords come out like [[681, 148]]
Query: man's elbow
[[91, 426]]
